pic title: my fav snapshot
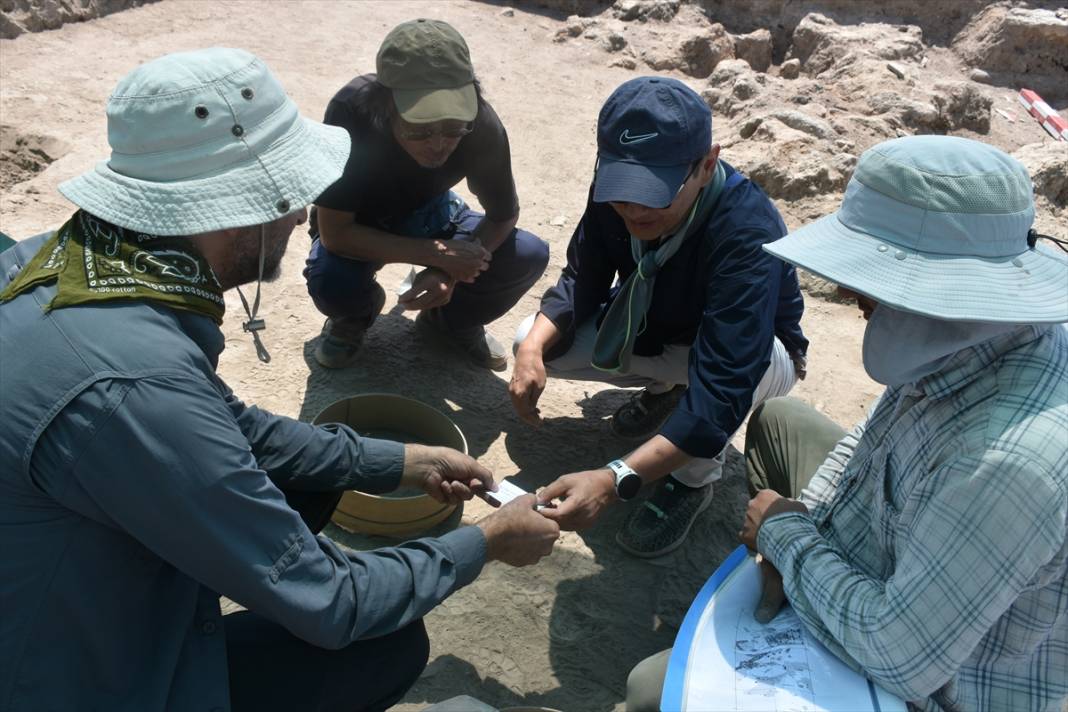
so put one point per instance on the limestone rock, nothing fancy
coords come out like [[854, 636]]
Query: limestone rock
[[820, 43], [961, 105], [796, 120], [614, 42], [755, 48], [728, 71], [901, 111], [701, 53], [1047, 162], [1018, 43], [696, 51], [799, 166], [19, 16], [790, 69], [643, 10]]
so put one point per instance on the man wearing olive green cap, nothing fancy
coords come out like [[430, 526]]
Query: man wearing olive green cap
[[418, 127]]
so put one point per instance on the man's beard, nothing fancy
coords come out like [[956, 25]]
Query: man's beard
[[246, 255]]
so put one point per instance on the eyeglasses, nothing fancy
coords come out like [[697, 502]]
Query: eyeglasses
[[421, 134], [689, 175]]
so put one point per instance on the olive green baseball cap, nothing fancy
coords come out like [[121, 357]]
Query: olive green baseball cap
[[427, 65]]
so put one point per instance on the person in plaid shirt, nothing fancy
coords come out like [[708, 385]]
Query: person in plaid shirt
[[927, 548]]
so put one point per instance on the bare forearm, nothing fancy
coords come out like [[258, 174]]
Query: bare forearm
[[492, 233], [657, 457], [541, 337], [361, 242]]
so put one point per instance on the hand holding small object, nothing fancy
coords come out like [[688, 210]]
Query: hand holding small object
[[584, 496], [447, 475], [518, 535]]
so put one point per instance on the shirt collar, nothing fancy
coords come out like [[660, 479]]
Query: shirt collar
[[967, 365]]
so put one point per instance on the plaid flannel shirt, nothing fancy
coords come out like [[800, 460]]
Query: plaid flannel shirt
[[934, 555]]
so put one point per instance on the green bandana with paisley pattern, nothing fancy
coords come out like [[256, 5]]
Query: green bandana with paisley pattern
[[94, 261]]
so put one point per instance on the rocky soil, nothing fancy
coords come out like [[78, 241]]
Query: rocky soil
[[798, 90], [797, 95]]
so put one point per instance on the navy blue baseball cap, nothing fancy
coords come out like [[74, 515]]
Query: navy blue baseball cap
[[649, 134]]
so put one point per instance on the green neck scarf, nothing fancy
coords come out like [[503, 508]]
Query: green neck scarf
[[626, 316], [94, 261]]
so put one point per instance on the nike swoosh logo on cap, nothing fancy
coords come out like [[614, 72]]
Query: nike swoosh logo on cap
[[625, 138]]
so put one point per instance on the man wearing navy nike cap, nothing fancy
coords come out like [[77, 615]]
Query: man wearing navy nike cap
[[701, 318]]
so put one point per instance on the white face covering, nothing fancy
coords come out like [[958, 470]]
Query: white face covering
[[901, 347]]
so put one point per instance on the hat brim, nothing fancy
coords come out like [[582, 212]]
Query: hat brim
[[425, 106], [625, 182], [1028, 288], [301, 165]]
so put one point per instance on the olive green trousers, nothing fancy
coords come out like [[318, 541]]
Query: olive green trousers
[[786, 442]]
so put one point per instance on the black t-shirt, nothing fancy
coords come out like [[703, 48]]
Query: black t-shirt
[[382, 182]]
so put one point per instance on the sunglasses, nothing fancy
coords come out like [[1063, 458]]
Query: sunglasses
[[421, 134]]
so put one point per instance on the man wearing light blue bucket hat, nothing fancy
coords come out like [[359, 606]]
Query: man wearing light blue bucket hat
[[927, 548], [135, 488]]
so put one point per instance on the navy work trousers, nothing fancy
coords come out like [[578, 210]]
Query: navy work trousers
[[271, 669], [341, 287]]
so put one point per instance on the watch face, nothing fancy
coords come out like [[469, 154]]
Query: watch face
[[628, 486]]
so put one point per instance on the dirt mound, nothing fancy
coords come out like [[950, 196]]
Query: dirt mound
[[22, 156], [1019, 45], [799, 111], [19, 16]]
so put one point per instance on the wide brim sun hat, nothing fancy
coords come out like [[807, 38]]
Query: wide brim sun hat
[[938, 226], [207, 140]]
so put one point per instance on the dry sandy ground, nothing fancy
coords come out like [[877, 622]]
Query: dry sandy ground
[[565, 633]]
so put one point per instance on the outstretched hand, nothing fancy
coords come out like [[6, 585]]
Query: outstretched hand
[[430, 288], [583, 496], [517, 535], [447, 475], [527, 384]]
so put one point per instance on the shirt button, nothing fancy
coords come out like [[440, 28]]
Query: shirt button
[[207, 627]]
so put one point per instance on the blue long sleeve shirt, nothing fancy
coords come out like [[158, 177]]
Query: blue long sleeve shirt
[[720, 292], [135, 489]]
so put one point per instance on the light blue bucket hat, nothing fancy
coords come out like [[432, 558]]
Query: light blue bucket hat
[[937, 225], [207, 140]]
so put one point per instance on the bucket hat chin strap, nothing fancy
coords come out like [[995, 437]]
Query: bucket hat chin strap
[[255, 325]]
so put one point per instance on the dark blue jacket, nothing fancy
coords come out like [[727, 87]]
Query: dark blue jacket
[[720, 292]]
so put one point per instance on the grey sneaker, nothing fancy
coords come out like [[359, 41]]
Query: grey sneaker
[[641, 417], [660, 524], [343, 336], [474, 341]]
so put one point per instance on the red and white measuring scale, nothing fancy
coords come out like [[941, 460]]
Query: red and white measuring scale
[[1055, 124]]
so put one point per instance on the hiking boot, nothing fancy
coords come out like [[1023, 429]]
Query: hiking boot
[[641, 417], [660, 524], [343, 335], [474, 341]]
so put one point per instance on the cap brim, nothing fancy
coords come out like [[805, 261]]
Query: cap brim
[[624, 182], [424, 106], [1028, 288], [290, 174]]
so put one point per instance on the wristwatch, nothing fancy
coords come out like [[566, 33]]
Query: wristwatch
[[628, 482]]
